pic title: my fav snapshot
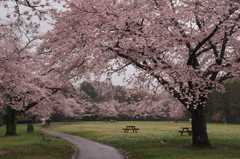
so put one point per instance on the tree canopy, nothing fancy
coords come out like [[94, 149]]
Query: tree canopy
[[185, 47]]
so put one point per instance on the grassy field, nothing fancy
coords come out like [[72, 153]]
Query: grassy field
[[159, 140], [31, 146], [155, 140]]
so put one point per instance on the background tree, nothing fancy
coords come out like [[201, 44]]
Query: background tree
[[126, 103], [88, 88], [184, 47], [217, 117], [120, 94], [104, 90], [226, 104]]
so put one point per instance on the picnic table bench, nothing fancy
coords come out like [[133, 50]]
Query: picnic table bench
[[186, 129], [133, 128]]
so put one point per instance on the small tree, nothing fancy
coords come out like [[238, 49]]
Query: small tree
[[217, 117]]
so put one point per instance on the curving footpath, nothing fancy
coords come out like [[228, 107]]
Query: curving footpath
[[88, 149]]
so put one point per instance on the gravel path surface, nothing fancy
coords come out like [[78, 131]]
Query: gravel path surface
[[89, 149]]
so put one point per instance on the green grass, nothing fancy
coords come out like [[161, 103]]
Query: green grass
[[155, 140], [159, 140], [30, 145]]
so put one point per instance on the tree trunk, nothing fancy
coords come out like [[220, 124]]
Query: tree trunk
[[199, 128], [11, 122], [1, 119]]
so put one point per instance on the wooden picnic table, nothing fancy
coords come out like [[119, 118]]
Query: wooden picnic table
[[186, 129], [133, 128]]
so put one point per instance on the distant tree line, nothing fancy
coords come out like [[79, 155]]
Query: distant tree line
[[116, 103], [225, 107], [221, 107]]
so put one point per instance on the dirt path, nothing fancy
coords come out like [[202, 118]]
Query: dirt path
[[89, 149]]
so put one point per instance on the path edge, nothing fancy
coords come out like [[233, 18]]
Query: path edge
[[75, 147]]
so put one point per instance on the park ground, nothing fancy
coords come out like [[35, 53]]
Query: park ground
[[154, 140]]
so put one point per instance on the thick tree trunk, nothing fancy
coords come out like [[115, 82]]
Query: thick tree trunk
[[11, 122], [1, 119], [199, 128]]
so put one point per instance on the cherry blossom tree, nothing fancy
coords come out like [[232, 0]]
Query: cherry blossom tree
[[26, 87], [185, 47], [217, 117], [155, 106], [167, 107], [107, 109], [11, 69]]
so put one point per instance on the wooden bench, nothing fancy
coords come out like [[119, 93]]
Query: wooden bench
[[45, 139], [133, 128], [187, 130]]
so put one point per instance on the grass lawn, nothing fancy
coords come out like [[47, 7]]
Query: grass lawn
[[159, 140], [31, 146]]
